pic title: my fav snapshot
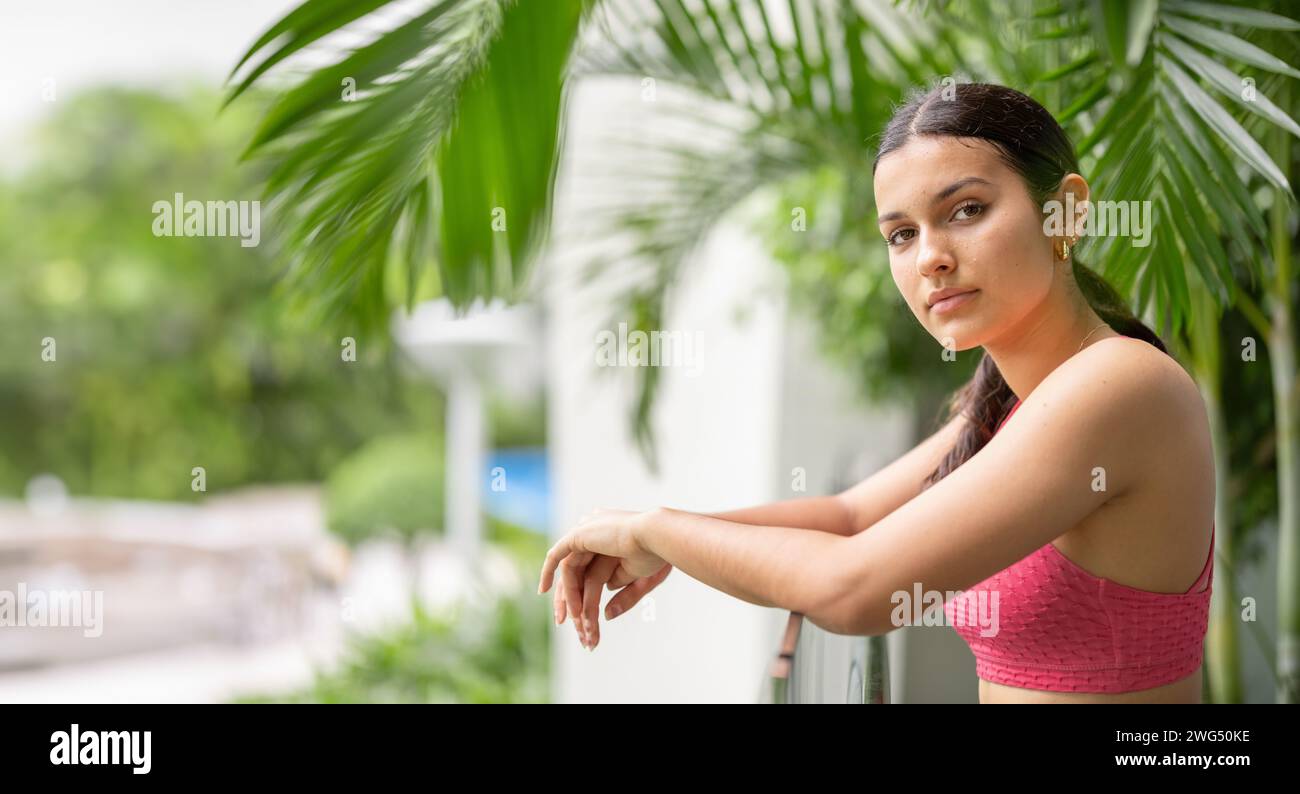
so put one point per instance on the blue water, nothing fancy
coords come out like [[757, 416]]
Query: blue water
[[526, 497]]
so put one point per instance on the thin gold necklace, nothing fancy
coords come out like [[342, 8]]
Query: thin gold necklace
[[1090, 333]]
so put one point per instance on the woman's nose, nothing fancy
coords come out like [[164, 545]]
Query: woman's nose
[[933, 256]]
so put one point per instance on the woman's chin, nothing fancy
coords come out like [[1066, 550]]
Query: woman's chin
[[957, 342]]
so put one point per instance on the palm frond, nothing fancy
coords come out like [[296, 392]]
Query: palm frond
[[434, 143], [1160, 99]]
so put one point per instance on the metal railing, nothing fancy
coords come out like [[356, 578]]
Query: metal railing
[[815, 666]]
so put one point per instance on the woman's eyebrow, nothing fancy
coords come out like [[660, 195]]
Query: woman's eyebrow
[[940, 196]]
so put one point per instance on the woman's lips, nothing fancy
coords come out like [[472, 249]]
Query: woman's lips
[[953, 302]]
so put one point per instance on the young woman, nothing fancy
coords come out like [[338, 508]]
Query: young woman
[[1071, 491]]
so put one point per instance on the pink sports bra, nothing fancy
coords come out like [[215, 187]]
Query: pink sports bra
[[1057, 627]]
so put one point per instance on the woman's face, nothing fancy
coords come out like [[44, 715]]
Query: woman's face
[[955, 216]]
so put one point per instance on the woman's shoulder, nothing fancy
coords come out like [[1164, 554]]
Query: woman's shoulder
[[1136, 360], [1156, 435], [1133, 381], [1126, 403]]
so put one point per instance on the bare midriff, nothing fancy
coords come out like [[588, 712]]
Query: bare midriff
[[1186, 690]]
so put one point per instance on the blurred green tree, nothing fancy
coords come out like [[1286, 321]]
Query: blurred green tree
[[170, 352], [392, 485]]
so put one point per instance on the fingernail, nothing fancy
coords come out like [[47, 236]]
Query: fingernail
[[615, 611]]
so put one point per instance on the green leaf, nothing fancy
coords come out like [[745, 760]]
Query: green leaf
[[1198, 235], [1208, 149], [498, 162], [322, 90], [1228, 83], [1233, 218], [1230, 131], [457, 123], [1233, 15], [801, 48], [307, 23], [1110, 29], [1082, 62], [1227, 45], [1120, 113], [1171, 290], [1141, 20], [1048, 11], [1225, 125], [1091, 96]]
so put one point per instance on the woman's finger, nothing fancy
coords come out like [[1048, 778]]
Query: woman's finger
[[571, 570], [621, 578], [628, 597], [561, 612], [554, 557], [593, 583]]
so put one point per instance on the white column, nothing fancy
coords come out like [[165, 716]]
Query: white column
[[466, 440]]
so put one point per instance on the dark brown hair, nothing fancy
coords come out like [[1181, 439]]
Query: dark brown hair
[[1032, 144]]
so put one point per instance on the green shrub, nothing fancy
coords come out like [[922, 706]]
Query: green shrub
[[495, 655], [392, 486]]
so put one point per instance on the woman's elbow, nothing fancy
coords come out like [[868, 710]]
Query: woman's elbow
[[854, 611]]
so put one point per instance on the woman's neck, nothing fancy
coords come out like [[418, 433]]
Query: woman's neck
[[1028, 353]]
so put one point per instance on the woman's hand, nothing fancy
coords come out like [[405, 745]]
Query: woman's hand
[[604, 549], [601, 572]]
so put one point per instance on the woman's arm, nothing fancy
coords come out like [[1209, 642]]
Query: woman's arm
[[1030, 484], [771, 566], [825, 513], [1069, 450]]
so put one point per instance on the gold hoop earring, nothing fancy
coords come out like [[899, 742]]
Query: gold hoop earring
[[1065, 250]]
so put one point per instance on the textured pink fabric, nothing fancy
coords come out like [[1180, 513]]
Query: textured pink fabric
[[1061, 629]]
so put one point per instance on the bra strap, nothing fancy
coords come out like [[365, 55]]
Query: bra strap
[[1207, 573]]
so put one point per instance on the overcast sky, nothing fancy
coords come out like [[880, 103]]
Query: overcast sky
[[136, 42]]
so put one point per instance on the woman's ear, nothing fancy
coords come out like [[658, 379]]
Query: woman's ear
[[1073, 195]]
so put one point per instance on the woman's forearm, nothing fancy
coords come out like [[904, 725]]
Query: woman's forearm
[[824, 513], [771, 566]]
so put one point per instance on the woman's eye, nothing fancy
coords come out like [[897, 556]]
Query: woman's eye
[[894, 240], [974, 205]]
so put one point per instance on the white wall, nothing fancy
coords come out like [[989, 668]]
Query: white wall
[[718, 434]]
